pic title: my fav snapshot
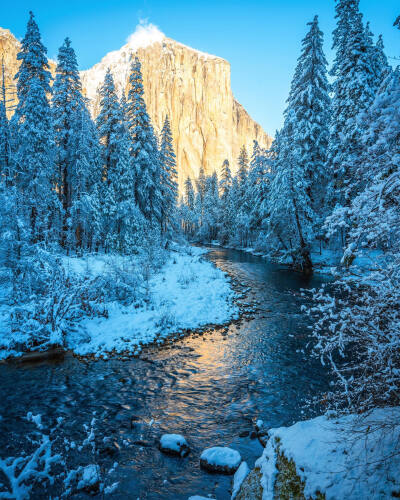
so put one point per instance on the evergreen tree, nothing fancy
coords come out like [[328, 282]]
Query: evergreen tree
[[226, 180], [34, 64], [66, 109], [290, 214], [188, 208], [144, 151], [201, 185], [354, 90], [109, 124], [311, 105], [258, 186], [84, 223], [210, 209], [169, 186], [346, 11], [243, 163], [35, 153]]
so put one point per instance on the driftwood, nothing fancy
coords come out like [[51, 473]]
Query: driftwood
[[38, 356]]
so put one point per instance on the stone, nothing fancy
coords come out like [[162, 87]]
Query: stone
[[251, 488], [220, 459], [174, 444]]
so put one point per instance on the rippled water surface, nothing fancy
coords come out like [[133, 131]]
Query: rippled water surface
[[210, 387]]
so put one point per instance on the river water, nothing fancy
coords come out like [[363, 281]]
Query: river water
[[210, 388]]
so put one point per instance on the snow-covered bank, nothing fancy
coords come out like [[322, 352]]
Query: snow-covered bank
[[350, 457], [188, 292]]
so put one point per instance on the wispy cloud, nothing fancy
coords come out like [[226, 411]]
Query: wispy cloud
[[145, 34]]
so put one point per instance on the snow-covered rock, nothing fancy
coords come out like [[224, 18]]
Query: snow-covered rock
[[89, 478], [220, 459], [238, 478], [352, 457], [174, 444], [198, 497]]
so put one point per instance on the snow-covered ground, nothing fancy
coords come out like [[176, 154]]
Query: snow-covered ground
[[187, 293], [349, 457]]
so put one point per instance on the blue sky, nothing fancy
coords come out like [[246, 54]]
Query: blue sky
[[261, 39]]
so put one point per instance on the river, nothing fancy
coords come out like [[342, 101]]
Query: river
[[210, 388]]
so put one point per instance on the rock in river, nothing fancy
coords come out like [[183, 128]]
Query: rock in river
[[220, 459], [174, 444]]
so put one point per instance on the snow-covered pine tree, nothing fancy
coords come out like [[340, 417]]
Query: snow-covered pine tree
[[144, 151], [290, 217], [311, 104], [358, 81], [84, 223], [210, 215], [34, 159], [201, 185], [346, 11], [258, 186], [66, 109], [229, 229], [380, 64], [129, 222], [243, 167], [299, 169], [187, 208], [109, 123], [360, 77], [169, 185], [110, 128], [226, 180]]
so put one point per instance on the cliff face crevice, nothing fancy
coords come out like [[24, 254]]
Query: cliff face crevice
[[193, 88]]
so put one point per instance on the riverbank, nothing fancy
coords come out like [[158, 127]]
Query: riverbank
[[328, 458], [188, 292]]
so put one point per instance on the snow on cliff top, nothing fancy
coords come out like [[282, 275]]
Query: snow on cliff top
[[144, 35], [119, 60]]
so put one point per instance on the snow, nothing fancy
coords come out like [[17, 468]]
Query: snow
[[173, 442], [221, 457], [36, 419], [198, 497], [144, 35], [349, 457], [188, 293], [238, 478], [90, 475]]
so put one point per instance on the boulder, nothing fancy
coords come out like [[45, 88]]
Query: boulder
[[220, 459], [238, 478], [174, 444]]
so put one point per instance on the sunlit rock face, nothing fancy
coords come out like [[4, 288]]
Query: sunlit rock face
[[9, 48], [192, 87]]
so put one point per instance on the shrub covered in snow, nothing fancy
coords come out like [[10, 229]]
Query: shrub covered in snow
[[46, 463]]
